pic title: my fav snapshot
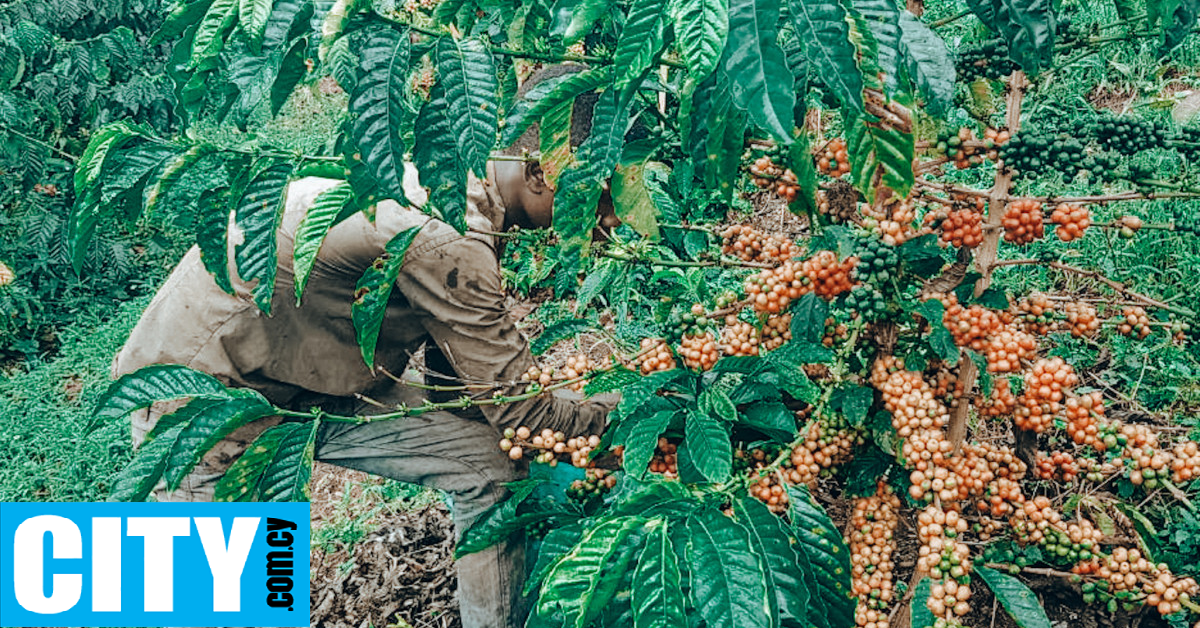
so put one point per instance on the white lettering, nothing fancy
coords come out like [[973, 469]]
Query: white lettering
[[106, 564], [160, 533], [29, 570], [227, 563]]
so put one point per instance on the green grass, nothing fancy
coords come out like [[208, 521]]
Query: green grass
[[48, 452]]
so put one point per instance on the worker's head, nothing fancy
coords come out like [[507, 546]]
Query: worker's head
[[529, 198]]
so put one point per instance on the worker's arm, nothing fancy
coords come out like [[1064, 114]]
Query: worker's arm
[[458, 285]]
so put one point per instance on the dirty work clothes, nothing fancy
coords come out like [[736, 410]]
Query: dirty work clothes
[[448, 292]]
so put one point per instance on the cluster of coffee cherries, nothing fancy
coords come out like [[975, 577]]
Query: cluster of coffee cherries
[[654, 355], [1135, 322], [1085, 420], [960, 228], [877, 260], [1081, 319], [834, 331], [1058, 465], [1001, 402], [1024, 222], [988, 60], [872, 542], [828, 442], [751, 245], [1129, 225], [834, 160], [1037, 315], [1185, 462], [596, 483], [772, 289], [894, 220], [548, 445], [699, 350], [575, 367], [1033, 153], [1124, 134], [947, 561], [965, 150], [665, 460], [970, 326], [739, 337], [1072, 221], [1037, 521], [868, 302], [768, 176], [1127, 570], [1046, 387], [776, 330]]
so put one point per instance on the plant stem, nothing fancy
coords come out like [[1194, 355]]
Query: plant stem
[[654, 261], [1117, 286], [948, 20], [34, 140]]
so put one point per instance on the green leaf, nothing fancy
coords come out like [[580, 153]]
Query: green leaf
[[808, 318], [286, 477], [172, 173], [288, 21], [921, 616], [820, 542], [557, 542], [821, 26], [760, 81], [658, 600], [180, 18], [642, 440], [772, 541], [729, 580], [579, 186], [1029, 29], [252, 15], [940, 339], [801, 163], [131, 167], [853, 401], [332, 23], [556, 333], [610, 380], [205, 422], [715, 402], [377, 108], [1021, 603], [210, 35], [548, 95], [708, 440], [435, 154], [929, 64], [872, 146], [292, 70], [640, 41], [87, 210], [791, 376], [582, 18], [373, 290], [243, 481], [257, 213], [631, 197], [701, 28], [882, 19], [576, 586], [151, 384], [139, 477], [1182, 16], [467, 72], [772, 418], [993, 298], [496, 523], [313, 228], [212, 232]]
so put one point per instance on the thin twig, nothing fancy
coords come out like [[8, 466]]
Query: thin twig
[[1115, 285]]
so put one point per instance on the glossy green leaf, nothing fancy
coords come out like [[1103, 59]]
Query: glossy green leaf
[[151, 384], [437, 159], [377, 108], [557, 542], [801, 163], [658, 600], [139, 477], [853, 401], [708, 441], [333, 21], [87, 209], [288, 22], [716, 403], [929, 64], [554, 139], [573, 586], [210, 35], [808, 318], [373, 290], [771, 540], [127, 173], [582, 19], [252, 16], [940, 339], [321, 216], [882, 19], [822, 29], [257, 212], [244, 479], [292, 69], [1180, 23], [498, 521], [643, 439], [286, 477], [467, 73], [870, 147], [820, 543], [728, 578], [548, 95], [760, 81], [1030, 32], [701, 28], [182, 17], [172, 173], [1021, 603], [205, 422], [772, 418], [556, 333], [640, 41], [212, 234]]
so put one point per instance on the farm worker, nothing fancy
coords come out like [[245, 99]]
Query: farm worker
[[448, 299]]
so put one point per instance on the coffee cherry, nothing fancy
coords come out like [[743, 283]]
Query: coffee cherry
[[699, 351], [1046, 385], [872, 543], [962, 228], [834, 160], [654, 355], [1081, 318], [1023, 222], [1072, 221], [1136, 322], [739, 338], [751, 245]]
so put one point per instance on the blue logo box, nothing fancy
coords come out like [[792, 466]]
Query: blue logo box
[[154, 564]]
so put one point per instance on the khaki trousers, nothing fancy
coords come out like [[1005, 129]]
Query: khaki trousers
[[439, 450]]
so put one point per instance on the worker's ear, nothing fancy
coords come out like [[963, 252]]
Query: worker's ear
[[535, 180]]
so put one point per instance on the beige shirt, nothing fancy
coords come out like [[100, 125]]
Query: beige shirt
[[448, 292]]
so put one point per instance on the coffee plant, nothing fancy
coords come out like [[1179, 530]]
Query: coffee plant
[[758, 370]]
